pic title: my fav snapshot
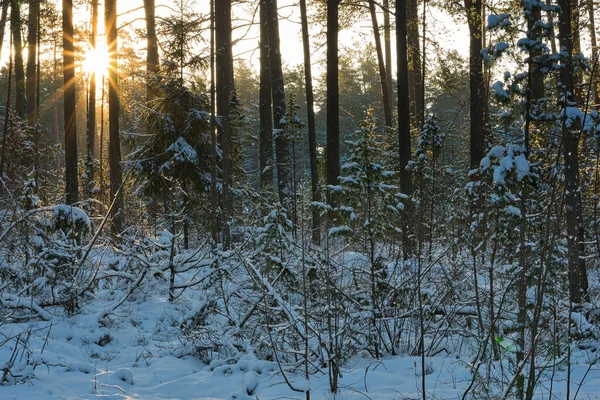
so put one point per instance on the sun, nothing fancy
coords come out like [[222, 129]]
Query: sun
[[96, 60]]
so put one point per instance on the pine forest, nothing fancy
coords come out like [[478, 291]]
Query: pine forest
[[300, 199]]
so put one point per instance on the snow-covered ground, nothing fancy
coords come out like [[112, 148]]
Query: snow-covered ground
[[139, 356]]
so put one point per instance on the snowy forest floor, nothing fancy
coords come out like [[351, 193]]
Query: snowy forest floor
[[139, 356]]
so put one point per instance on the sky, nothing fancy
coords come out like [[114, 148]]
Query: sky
[[441, 29]]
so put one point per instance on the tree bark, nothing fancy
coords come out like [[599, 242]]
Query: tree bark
[[333, 98], [578, 282], [595, 52], [476, 84], [114, 109], [214, 197], [550, 18], [152, 57], [534, 32], [312, 131], [265, 111], [283, 153], [387, 40], [32, 82], [15, 24], [423, 67], [56, 122], [224, 63], [6, 113], [387, 107], [70, 120], [414, 63], [3, 17], [91, 117], [404, 148], [576, 50], [34, 11]]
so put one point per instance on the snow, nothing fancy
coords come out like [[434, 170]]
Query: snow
[[124, 375], [137, 354], [133, 367], [348, 179], [321, 205], [527, 44], [350, 165], [499, 91], [485, 163], [510, 159], [494, 51], [277, 132], [250, 382], [512, 210], [575, 118], [348, 210], [165, 238], [498, 21], [339, 229], [182, 151], [496, 152], [501, 46], [71, 215], [385, 187], [522, 166], [499, 175]]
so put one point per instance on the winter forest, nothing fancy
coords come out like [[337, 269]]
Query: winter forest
[[299, 199]]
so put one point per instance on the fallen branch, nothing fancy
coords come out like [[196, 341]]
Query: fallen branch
[[117, 304]]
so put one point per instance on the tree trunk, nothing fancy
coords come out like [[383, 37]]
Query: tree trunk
[[534, 32], [153, 66], [3, 17], [34, 11], [15, 24], [101, 147], [152, 58], [414, 63], [576, 49], [265, 112], [72, 184], [333, 98], [404, 151], [387, 39], [550, 18], [595, 52], [32, 81], [387, 107], [214, 197], [91, 117], [56, 122], [423, 68], [578, 282], [224, 65], [476, 84], [312, 131], [39, 175], [283, 151], [114, 108], [6, 113]]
